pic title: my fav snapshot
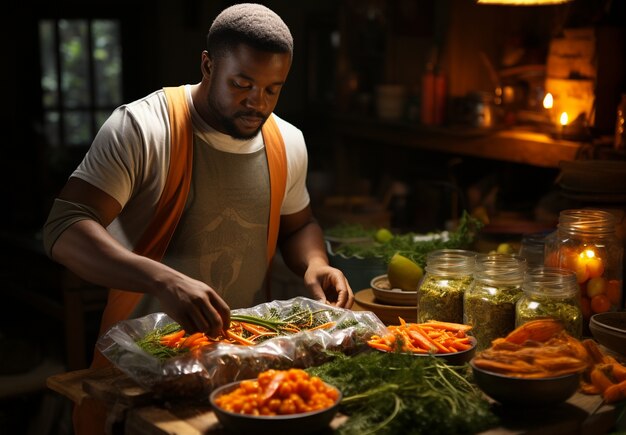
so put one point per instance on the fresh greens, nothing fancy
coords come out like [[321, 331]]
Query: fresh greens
[[151, 342], [406, 244], [389, 393]]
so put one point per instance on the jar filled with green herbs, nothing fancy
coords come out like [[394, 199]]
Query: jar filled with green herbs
[[551, 293], [449, 272], [489, 303]]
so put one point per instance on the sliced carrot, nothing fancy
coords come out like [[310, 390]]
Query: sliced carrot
[[380, 346], [422, 340], [323, 326], [449, 326], [239, 339], [438, 345], [615, 393], [188, 342], [171, 340]]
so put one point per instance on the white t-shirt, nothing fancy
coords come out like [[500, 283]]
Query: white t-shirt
[[129, 160]]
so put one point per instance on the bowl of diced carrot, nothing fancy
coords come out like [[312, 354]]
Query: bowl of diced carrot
[[277, 401], [448, 341]]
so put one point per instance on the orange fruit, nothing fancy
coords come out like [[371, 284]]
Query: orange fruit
[[600, 304], [595, 266], [596, 286], [614, 291], [582, 273]]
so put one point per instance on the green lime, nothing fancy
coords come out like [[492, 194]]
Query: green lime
[[504, 248], [404, 273], [383, 235]]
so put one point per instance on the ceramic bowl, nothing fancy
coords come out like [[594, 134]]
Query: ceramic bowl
[[609, 329], [392, 296], [454, 358], [303, 423], [528, 392]]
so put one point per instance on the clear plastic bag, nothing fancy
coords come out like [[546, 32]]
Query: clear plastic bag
[[197, 374]]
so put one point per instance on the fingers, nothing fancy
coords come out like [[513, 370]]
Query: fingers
[[212, 314]]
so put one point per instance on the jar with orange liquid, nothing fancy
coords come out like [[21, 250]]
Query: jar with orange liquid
[[586, 243]]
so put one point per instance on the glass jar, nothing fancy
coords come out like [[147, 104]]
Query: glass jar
[[532, 249], [448, 273], [550, 293], [489, 303], [586, 243]]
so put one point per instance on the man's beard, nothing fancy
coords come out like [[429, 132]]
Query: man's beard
[[229, 126]]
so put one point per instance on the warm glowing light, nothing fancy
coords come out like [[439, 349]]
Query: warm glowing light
[[564, 118], [548, 101], [587, 253], [522, 2]]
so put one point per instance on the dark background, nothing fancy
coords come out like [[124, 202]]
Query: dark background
[[375, 42]]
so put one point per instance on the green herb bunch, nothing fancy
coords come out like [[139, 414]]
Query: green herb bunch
[[406, 244], [388, 393]]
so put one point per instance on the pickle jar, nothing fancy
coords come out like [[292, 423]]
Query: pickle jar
[[532, 249], [550, 292], [489, 303], [448, 273], [586, 243]]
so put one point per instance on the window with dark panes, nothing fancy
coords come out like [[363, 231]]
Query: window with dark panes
[[81, 80]]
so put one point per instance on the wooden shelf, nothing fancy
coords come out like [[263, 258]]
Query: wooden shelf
[[518, 146]]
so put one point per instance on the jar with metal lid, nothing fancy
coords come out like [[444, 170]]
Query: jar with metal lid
[[448, 273], [550, 292], [489, 303], [586, 243]]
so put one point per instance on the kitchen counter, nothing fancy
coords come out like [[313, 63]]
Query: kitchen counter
[[513, 145], [140, 413]]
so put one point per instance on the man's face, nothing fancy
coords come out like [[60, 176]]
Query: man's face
[[244, 86]]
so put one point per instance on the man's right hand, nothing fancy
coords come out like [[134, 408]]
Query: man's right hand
[[193, 304]]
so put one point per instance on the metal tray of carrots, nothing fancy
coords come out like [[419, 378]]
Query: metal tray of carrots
[[299, 332]]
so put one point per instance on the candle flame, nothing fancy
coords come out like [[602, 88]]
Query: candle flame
[[548, 101], [587, 253], [563, 119]]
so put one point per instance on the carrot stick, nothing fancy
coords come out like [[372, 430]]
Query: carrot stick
[[239, 339], [172, 339], [254, 329], [438, 345], [450, 326], [380, 346], [422, 340], [323, 326], [600, 379], [187, 342], [615, 393]]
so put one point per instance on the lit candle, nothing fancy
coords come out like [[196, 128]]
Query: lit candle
[[548, 104], [563, 120]]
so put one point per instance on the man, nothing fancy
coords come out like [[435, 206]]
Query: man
[[184, 194]]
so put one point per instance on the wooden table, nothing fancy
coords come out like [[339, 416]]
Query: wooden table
[[139, 412]]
